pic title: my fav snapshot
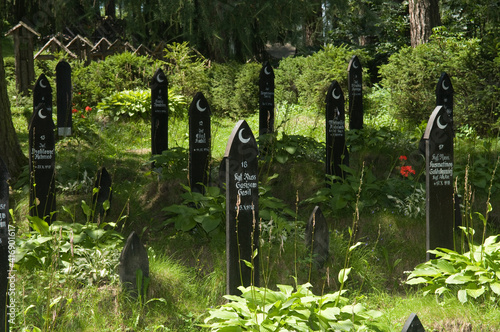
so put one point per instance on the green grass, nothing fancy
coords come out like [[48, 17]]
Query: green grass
[[188, 269]]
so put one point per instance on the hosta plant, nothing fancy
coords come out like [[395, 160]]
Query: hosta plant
[[474, 274], [262, 309]]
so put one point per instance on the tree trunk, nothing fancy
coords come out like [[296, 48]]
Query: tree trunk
[[424, 15], [10, 150], [313, 26]]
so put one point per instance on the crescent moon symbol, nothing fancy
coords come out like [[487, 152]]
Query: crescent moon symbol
[[334, 95], [40, 114], [41, 84], [160, 80], [240, 136], [199, 107], [444, 85], [439, 124], [355, 65], [266, 71]]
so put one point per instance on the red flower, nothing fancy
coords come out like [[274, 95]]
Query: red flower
[[406, 171], [88, 109], [74, 110], [82, 116], [402, 158]]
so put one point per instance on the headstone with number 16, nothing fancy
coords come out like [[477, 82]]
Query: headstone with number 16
[[242, 208]]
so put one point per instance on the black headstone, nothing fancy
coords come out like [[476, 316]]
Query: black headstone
[[102, 190], [42, 164], [4, 246], [64, 97], [132, 258], [336, 149], [159, 113], [199, 143], [438, 139], [444, 95], [413, 324], [242, 207], [266, 99], [355, 84], [42, 93], [318, 237]]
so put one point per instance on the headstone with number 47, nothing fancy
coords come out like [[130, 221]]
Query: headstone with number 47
[[438, 138]]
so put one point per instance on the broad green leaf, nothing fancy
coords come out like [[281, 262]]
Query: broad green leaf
[[462, 296], [209, 224], [330, 313], [458, 279], [445, 266], [475, 293], [495, 287], [415, 281], [343, 275]]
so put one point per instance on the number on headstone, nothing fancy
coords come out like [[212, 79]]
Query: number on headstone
[[242, 208]]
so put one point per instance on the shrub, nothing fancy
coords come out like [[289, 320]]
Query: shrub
[[306, 79], [137, 104], [262, 309], [119, 72], [412, 73], [473, 274]]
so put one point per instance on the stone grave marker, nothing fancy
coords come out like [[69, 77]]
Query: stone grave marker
[[336, 149], [355, 84], [413, 324], [266, 99], [42, 93], [4, 243], [159, 112], [242, 208], [132, 258], [317, 238], [444, 95], [42, 164], [438, 138], [64, 97], [199, 143], [102, 190]]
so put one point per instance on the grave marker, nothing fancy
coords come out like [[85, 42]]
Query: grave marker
[[199, 143], [132, 258], [266, 99], [413, 324], [242, 208], [159, 112], [42, 93], [318, 237], [102, 190], [64, 96], [4, 244], [355, 83], [438, 138], [444, 95], [336, 149], [42, 164]]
